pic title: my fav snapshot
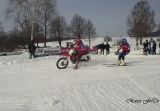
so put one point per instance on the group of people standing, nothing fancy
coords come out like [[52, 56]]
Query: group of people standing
[[150, 47], [103, 47]]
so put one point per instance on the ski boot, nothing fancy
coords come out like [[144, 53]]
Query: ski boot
[[118, 62], [123, 63]]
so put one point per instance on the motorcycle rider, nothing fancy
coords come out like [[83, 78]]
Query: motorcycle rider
[[80, 51]]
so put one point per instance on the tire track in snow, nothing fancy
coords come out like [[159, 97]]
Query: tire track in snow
[[88, 103], [104, 101], [120, 100], [91, 98], [111, 99], [114, 90], [94, 94], [146, 91], [69, 103]]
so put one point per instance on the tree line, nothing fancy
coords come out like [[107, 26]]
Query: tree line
[[40, 20], [141, 21]]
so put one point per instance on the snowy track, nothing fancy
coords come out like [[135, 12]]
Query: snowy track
[[37, 85]]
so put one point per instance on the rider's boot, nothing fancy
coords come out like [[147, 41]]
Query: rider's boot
[[76, 66]]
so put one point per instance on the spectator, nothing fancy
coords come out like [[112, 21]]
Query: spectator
[[102, 48], [107, 47], [154, 48], [32, 49], [159, 47], [151, 46], [145, 47]]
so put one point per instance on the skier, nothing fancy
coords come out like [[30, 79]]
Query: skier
[[123, 50]]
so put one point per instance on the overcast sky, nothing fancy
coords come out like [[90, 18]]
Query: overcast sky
[[109, 16]]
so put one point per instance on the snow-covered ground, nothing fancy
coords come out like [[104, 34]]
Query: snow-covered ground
[[37, 85]]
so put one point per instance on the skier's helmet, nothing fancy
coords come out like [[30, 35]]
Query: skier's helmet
[[124, 41]]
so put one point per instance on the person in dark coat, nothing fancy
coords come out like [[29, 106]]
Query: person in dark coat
[[159, 48], [32, 49], [154, 48], [151, 46], [107, 47], [102, 48], [146, 47]]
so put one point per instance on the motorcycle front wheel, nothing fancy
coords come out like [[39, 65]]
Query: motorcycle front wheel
[[62, 63]]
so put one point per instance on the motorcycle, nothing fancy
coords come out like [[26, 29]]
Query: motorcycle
[[70, 56]]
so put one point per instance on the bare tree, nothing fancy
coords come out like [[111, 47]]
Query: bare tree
[[22, 9], [38, 33], [23, 24], [33, 11], [58, 28], [68, 31], [78, 25], [107, 38], [141, 20], [47, 12], [90, 30]]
